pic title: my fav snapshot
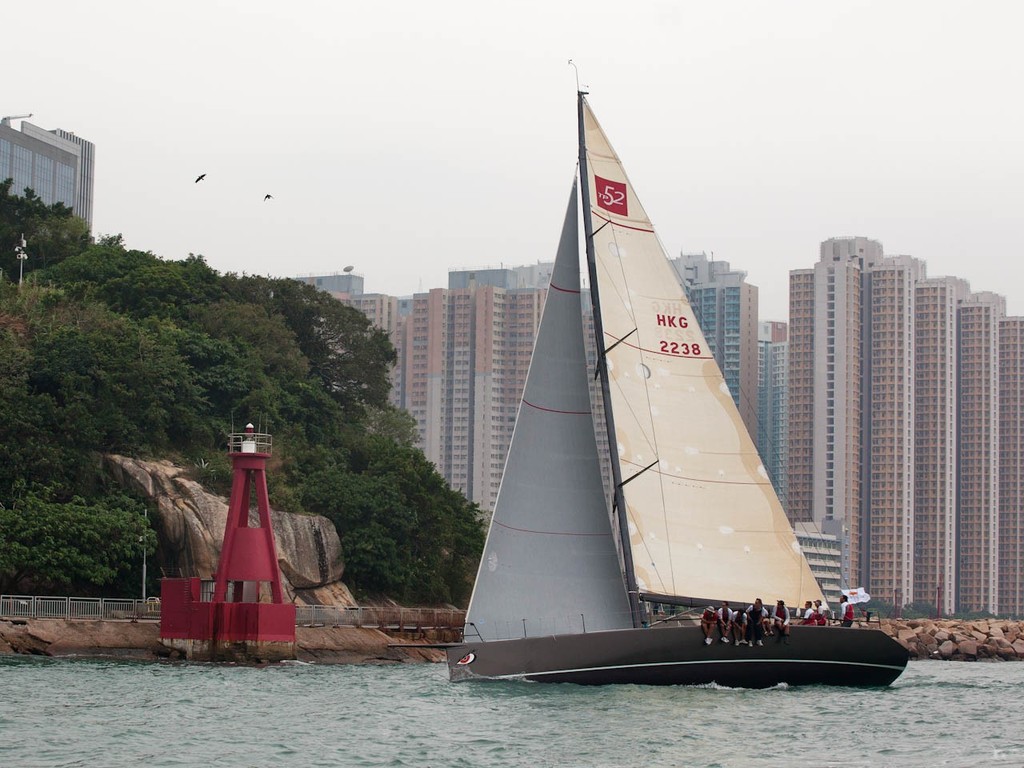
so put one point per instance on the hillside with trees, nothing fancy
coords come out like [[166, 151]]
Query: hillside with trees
[[113, 350]]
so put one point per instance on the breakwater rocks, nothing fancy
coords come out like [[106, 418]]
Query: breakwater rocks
[[951, 639]]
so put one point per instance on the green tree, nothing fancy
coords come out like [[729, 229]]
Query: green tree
[[46, 546], [350, 357], [52, 232], [404, 533]]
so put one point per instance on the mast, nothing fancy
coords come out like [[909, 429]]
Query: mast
[[619, 498]]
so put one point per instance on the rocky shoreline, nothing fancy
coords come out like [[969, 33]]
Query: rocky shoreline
[[140, 641], [955, 640]]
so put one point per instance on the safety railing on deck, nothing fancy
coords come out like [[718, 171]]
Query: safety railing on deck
[[105, 608]]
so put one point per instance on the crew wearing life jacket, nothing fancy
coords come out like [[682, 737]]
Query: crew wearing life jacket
[[780, 622], [846, 611], [757, 615], [810, 616], [724, 616], [820, 615], [708, 619]]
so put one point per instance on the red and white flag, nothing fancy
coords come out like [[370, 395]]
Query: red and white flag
[[857, 595]]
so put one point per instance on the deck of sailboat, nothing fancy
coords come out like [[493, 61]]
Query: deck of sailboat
[[677, 655], [688, 509]]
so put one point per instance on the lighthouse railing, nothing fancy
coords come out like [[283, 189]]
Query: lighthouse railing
[[250, 442]]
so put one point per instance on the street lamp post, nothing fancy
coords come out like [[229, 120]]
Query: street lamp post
[[143, 540], [20, 251]]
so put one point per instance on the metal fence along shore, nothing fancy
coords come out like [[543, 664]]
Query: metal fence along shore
[[122, 609]]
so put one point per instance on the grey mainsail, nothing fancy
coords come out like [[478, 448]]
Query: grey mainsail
[[550, 564]]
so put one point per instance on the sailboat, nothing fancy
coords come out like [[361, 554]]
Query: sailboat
[[570, 573]]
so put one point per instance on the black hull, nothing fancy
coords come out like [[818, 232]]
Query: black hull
[[678, 656]]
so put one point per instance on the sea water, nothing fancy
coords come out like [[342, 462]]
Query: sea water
[[67, 712]]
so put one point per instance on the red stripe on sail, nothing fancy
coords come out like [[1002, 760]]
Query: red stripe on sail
[[555, 410], [548, 533], [619, 224], [563, 290]]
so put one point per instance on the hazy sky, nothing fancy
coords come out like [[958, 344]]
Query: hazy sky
[[408, 138]]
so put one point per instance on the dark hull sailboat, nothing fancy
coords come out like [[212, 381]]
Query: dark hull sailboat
[[678, 656], [565, 582]]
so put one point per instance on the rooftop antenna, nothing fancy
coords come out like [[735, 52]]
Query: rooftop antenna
[[6, 120]]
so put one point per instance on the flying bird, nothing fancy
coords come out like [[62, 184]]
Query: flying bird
[[267, 197], [200, 177]]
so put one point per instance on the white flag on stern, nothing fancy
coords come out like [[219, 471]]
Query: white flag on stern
[[857, 595]]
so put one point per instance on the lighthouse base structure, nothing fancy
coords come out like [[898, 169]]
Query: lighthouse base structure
[[223, 631]]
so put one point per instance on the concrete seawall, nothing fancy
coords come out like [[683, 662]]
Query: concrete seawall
[[141, 641]]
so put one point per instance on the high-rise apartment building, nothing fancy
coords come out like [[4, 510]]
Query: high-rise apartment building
[[56, 165], [825, 380], [978, 318], [771, 403], [936, 446], [824, 556], [464, 353], [1011, 462], [887, 502], [725, 305], [799, 501]]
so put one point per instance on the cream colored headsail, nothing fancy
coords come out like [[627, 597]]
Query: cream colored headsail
[[704, 520]]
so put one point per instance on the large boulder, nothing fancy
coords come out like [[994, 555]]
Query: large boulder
[[190, 527], [968, 648]]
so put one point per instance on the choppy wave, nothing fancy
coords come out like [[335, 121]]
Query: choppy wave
[[77, 712]]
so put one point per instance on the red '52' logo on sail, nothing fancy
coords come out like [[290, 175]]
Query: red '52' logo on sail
[[611, 195]]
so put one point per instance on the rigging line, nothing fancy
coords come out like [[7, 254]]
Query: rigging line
[[604, 354], [652, 439], [635, 476], [592, 234], [613, 346], [756, 484], [636, 419], [647, 550]]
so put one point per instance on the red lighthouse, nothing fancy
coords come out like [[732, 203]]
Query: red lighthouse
[[240, 620]]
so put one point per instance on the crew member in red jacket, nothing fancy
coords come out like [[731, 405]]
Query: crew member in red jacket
[[846, 611]]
